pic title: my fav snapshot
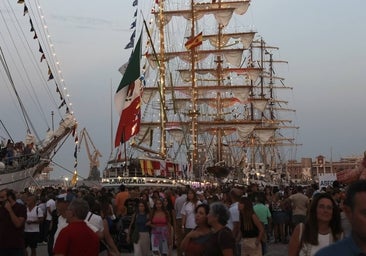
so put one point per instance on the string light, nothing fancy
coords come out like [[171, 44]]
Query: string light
[[53, 53]]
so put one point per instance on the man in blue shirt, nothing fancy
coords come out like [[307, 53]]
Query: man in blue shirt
[[355, 209]]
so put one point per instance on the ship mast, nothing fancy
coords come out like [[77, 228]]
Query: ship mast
[[219, 116], [193, 113], [162, 69]]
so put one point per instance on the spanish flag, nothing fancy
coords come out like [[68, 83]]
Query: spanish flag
[[194, 41]]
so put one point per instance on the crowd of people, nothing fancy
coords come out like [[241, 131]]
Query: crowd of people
[[229, 221], [13, 154]]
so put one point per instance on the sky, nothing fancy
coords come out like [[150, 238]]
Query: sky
[[323, 42]]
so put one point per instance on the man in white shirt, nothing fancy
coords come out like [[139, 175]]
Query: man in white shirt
[[63, 201], [50, 207], [93, 217], [31, 228]]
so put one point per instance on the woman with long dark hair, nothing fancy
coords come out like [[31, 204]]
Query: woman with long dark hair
[[322, 227], [187, 211], [160, 229], [108, 225], [169, 207], [251, 228], [139, 221]]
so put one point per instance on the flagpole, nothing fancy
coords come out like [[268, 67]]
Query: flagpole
[[125, 148], [111, 107]]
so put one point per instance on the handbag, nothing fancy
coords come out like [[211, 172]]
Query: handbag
[[135, 233], [135, 236]]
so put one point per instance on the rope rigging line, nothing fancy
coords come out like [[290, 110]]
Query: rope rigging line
[[25, 44]]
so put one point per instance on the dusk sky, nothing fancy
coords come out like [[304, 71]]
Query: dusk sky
[[323, 42]]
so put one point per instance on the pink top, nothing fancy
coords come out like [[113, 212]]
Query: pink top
[[160, 221]]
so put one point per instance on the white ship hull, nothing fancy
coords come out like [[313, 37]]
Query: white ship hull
[[17, 180]]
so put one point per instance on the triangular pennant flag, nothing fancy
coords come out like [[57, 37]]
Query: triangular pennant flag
[[43, 57], [133, 25], [135, 3], [35, 35], [129, 45], [73, 130], [50, 77], [133, 36], [128, 99], [40, 48], [62, 104], [20, 1], [135, 14], [25, 10], [76, 151], [30, 21]]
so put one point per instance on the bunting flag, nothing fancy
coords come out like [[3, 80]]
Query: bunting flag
[[135, 3], [133, 25], [62, 104], [132, 38], [194, 41], [129, 45], [31, 23], [25, 10], [40, 48], [50, 75], [43, 56], [128, 98], [135, 14], [76, 152]]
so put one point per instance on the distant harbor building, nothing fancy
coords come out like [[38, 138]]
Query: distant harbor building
[[308, 170]]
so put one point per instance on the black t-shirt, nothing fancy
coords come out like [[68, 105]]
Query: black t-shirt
[[221, 240], [11, 236]]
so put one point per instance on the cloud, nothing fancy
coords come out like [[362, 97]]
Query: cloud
[[84, 22]]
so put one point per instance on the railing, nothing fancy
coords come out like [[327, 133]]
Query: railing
[[20, 163]]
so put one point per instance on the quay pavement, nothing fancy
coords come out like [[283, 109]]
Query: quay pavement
[[274, 249]]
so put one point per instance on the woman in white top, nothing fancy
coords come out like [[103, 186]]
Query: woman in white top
[[322, 227], [187, 212]]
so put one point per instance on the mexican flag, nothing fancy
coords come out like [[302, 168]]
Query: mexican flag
[[128, 98]]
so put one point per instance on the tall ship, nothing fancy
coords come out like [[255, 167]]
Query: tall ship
[[209, 99], [36, 114]]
